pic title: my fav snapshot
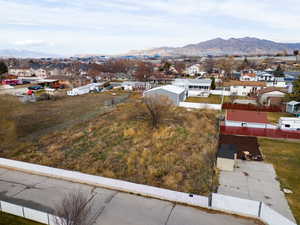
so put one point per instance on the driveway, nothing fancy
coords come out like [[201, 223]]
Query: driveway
[[117, 208], [255, 181]]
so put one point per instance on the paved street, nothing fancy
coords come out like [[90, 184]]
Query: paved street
[[256, 181], [117, 208]]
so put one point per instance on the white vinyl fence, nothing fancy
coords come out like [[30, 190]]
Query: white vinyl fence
[[220, 92], [193, 105], [243, 207], [27, 213]]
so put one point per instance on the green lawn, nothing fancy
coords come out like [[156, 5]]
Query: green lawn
[[7, 219], [212, 99], [285, 156], [273, 117]]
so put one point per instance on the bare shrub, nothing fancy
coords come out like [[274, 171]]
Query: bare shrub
[[76, 209], [157, 108]]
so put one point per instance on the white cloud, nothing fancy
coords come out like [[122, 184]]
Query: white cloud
[[113, 26], [32, 43]]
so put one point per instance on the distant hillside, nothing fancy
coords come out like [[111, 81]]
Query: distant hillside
[[219, 46], [24, 54]]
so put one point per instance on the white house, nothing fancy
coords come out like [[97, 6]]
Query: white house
[[173, 93], [41, 73], [21, 72], [195, 87], [278, 82], [248, 76], [264, 76], [244, 88], [131, 85], [193, 70], [289, 123]]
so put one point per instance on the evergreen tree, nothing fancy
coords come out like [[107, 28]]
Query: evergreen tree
[[295, 95], [213, 83], [3, 68], [279, 72]]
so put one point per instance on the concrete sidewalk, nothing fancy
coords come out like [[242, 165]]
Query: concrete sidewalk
[[255, 181], [117, 208]]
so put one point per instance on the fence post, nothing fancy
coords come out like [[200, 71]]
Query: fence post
[[259, 209], [0, 206], [23, 212], [48, 218], [210, 200]]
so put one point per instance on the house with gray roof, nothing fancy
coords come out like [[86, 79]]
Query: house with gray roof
[[173, 93], [194, 87]]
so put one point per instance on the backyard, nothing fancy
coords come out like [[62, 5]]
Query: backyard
[[212, 99], [273, 117], [285, 156], [8, 219], [79, 133]]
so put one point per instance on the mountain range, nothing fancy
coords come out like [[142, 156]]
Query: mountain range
[[219, 46], [16, 53]]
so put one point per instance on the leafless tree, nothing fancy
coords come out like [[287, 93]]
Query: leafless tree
[[209, 65], [180, 67], [144, 71], [227, 65], [157, 108], [76, 208]]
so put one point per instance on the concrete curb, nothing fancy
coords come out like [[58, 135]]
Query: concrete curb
[[145, 190]]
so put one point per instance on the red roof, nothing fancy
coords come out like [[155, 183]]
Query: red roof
[[247, 116]]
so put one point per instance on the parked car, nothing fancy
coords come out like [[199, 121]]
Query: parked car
[[35, 88]]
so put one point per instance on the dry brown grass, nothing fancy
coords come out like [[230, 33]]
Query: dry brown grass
[[178, 155]]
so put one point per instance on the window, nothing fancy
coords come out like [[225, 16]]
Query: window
[[287, 125]]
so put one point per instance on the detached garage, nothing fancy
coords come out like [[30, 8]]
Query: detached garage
[[226, 157], [241, 118], [173, 93]]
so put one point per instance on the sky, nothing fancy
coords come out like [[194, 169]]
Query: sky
[[69, 27]]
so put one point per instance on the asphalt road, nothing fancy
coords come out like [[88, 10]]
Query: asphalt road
[[117, 208]]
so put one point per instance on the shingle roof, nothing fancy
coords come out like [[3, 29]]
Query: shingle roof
[[270, 89], [170, 88], [247, 116]]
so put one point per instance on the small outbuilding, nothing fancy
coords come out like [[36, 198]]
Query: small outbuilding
[[293, 107], [289, 123], [243, 118], [173, 93], [226, 157]]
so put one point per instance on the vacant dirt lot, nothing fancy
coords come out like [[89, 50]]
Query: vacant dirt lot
[[119, 142]]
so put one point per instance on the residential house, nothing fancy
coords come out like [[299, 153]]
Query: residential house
[[278, 82], [135, 85], [40, 73], [249, 75], [253, 119], [271, 96], [21, 72], [244, 88], [195, 87], [193, 70], [264, 76], [174, 93]]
